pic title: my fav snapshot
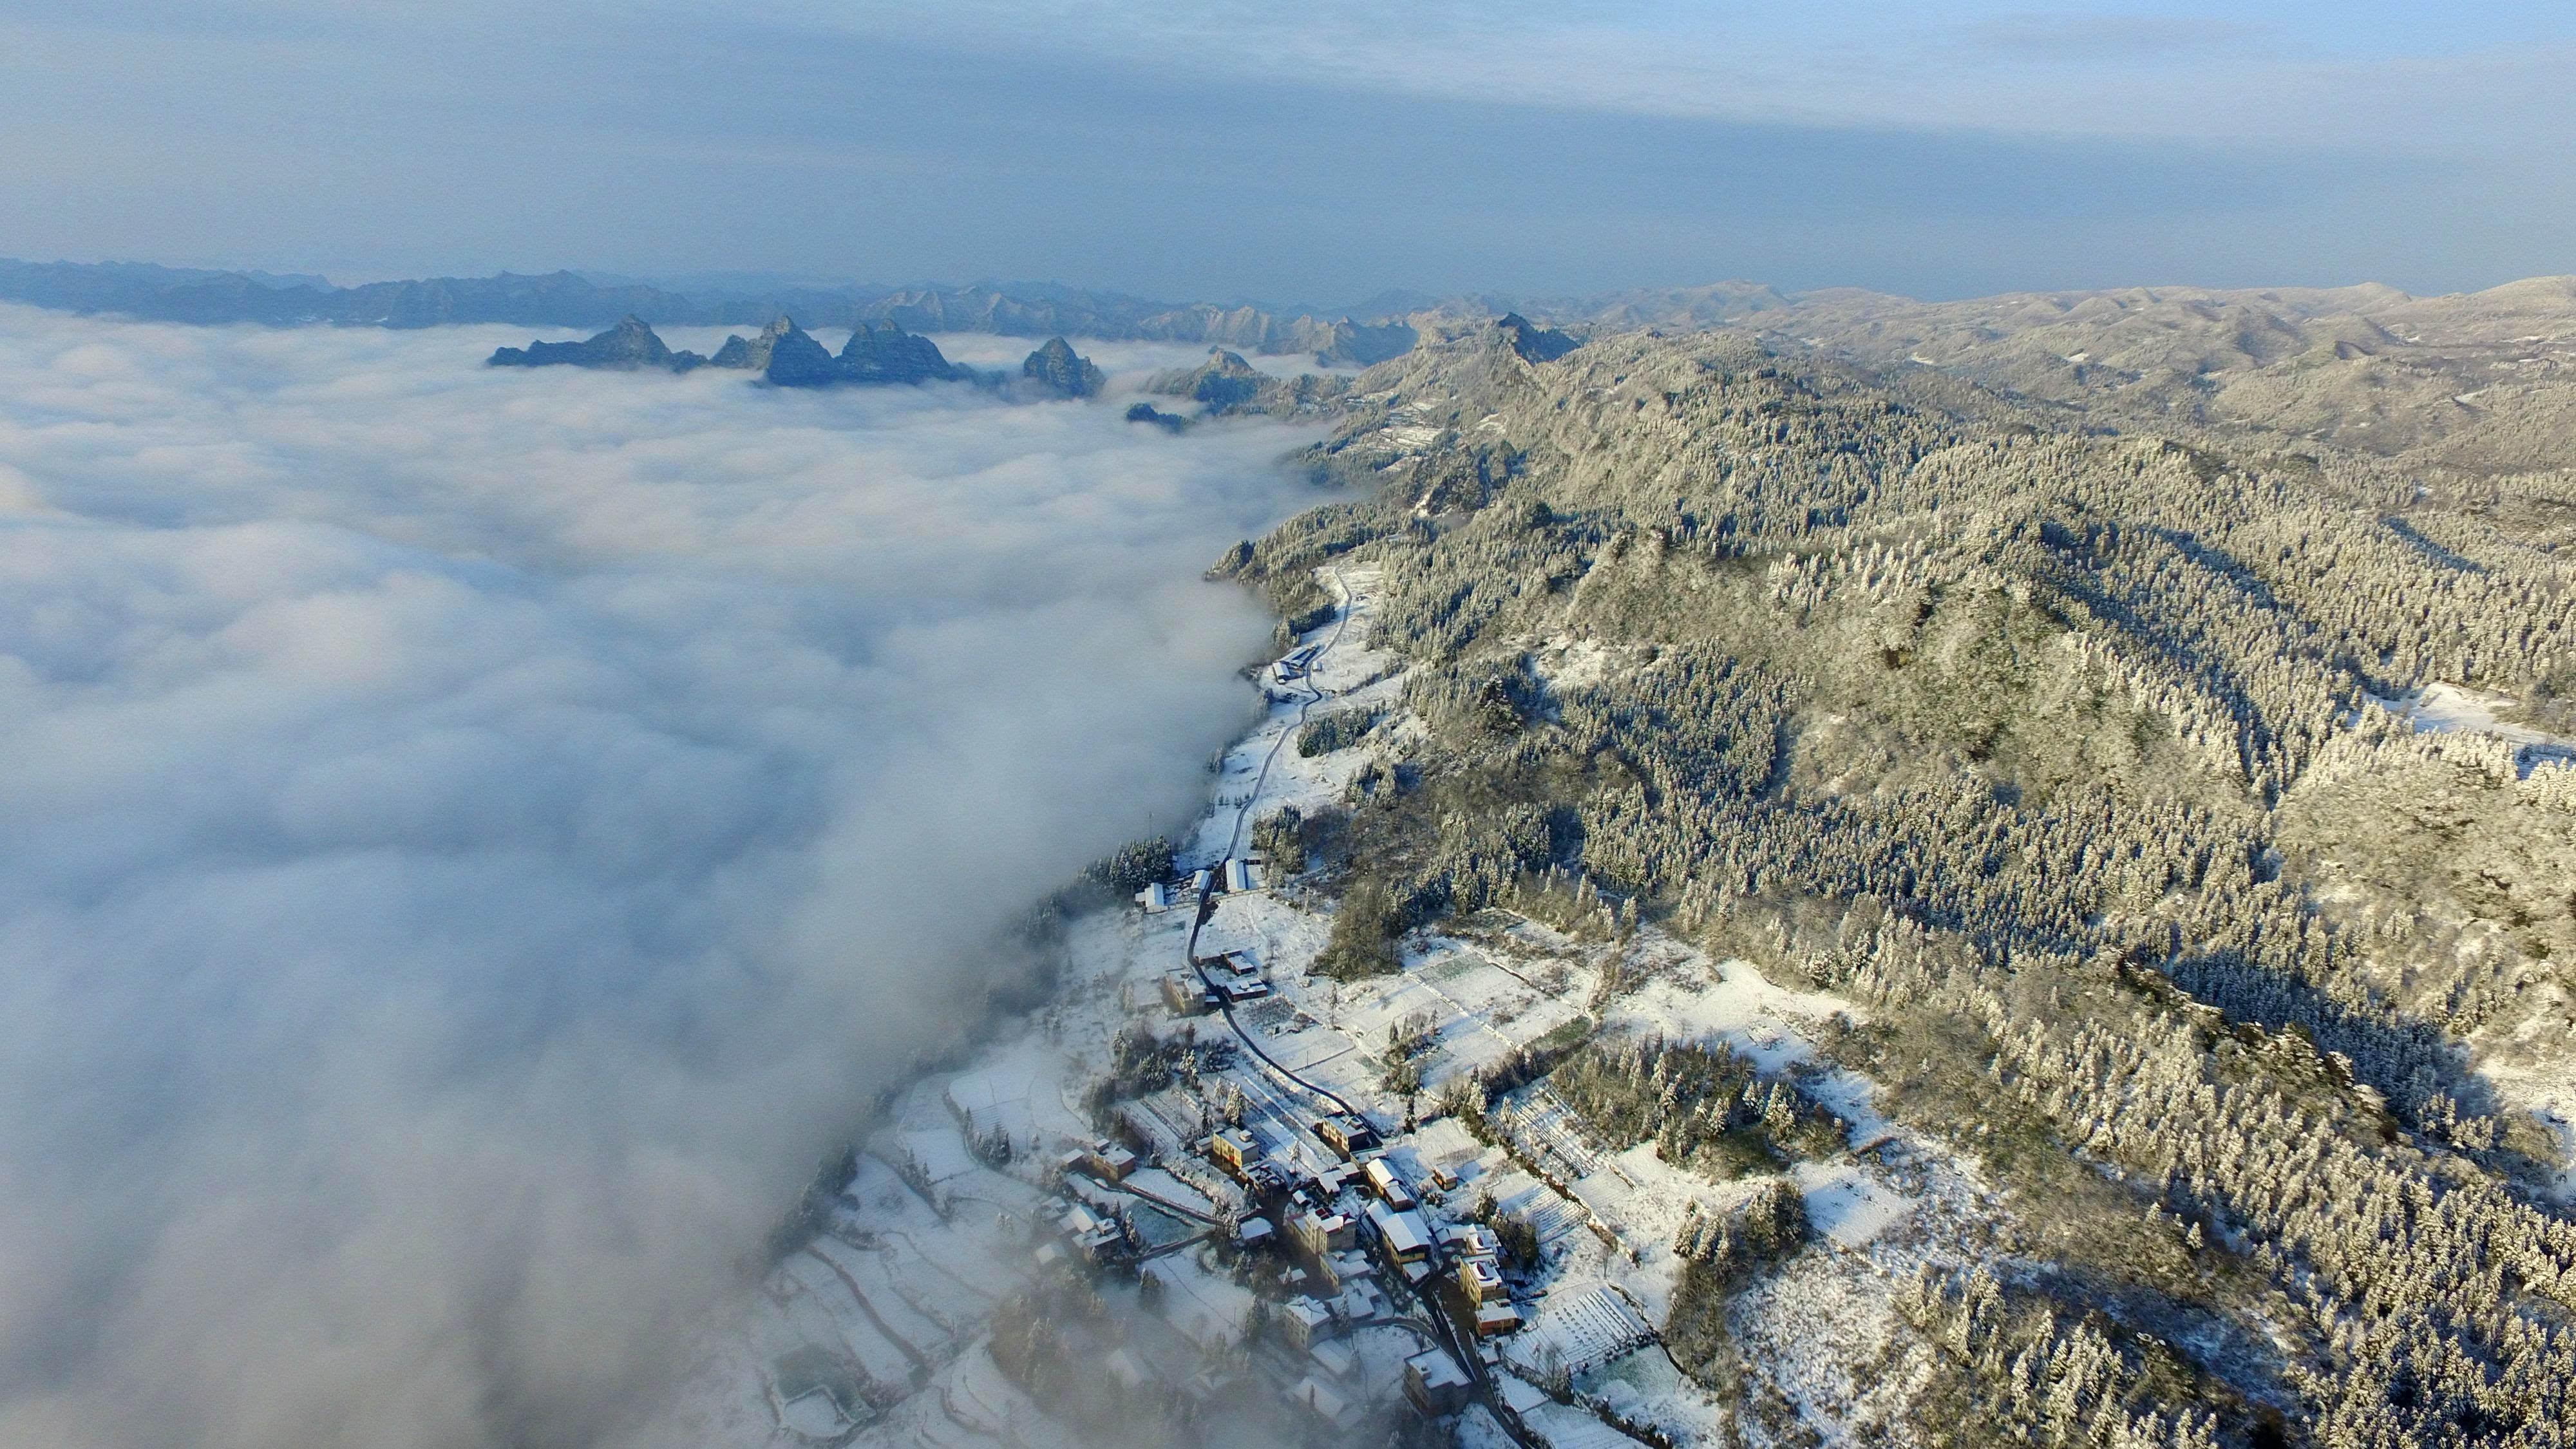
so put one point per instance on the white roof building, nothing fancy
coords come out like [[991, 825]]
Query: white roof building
[[1383, 1179], [1306, 1321], [1471, 1240], [1326, 1402], [1335, 1358], [1406, 1235], [1358, 1304], [1435, 1383]]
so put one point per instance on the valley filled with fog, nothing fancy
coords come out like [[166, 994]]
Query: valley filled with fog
[[475, 839]]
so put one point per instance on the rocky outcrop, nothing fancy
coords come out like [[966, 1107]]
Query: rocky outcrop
[[628, 346], [1533, 342], [752, 354], [797, 360], [1148, 413], [1056, 369], [883, 352], [1225, 383], [786, 355]]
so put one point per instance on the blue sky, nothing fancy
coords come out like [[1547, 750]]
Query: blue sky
[[1316, 152]]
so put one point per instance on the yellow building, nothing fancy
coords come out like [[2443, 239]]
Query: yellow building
[[1480, 1280], [1234, 1149]]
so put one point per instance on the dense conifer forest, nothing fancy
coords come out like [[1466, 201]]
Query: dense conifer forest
[[2077, 757]]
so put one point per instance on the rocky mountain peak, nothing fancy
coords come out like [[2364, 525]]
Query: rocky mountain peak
[[795, 359], [1533, 342], [752, 354], [1225, 381], [883, 352], [630, 344], [1056, 367]]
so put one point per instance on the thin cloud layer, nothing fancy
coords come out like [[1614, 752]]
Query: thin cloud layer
[[1219, 150], [477, 839]]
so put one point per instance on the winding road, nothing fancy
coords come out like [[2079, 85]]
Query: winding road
[[1234, 845], [1442, 1330]]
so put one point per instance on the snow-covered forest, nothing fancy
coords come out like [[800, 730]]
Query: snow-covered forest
[[2101, 766]]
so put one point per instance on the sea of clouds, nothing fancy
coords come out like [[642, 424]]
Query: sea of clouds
[[475, 838]]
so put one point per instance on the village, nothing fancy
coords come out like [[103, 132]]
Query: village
[[1206, 1183]]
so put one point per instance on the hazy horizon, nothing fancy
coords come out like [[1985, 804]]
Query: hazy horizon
[[1388, 300], [1218, 151]]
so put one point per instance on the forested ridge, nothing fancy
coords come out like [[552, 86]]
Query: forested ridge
[[2070, 755]]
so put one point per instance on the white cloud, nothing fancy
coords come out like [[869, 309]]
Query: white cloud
[[2097, 36], [2285, 72], [476, 836]]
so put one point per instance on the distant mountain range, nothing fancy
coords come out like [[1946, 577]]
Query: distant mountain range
[[2454, 379], [785, 355], [566, 299]]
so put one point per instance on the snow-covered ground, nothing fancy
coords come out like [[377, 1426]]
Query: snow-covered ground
[[2539, 1077], [2543, 1083], [2442, 708], [872, 1334], [2450, 707], [936, 1228]]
